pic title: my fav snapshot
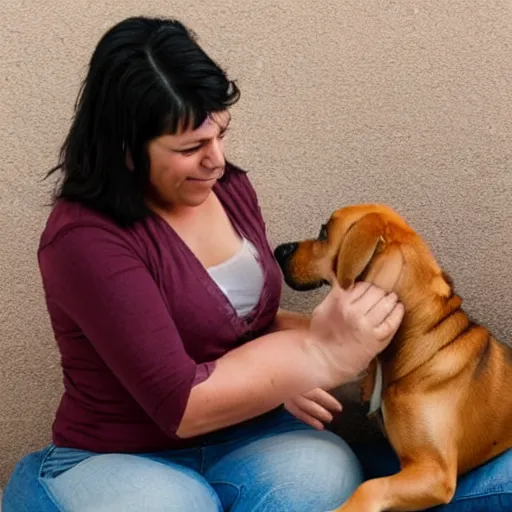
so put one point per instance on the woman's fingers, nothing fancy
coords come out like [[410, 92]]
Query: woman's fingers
[[293, 409], [358, 291], [368, 299], [388, 327], [381, 310], [324, 399], [314, 407]]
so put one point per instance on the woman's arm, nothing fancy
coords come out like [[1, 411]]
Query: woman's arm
[[94, 277], [286, 319], [251, 380], [255, 381], [346, 331]]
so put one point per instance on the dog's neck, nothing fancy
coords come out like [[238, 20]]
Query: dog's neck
[[433, 316], [427, 327]]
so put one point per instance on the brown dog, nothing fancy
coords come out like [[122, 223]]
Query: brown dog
[[446, 398]]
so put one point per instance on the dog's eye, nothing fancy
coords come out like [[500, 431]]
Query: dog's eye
[[323, 235]]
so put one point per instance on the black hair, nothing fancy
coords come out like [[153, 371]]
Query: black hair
[[147, 77]]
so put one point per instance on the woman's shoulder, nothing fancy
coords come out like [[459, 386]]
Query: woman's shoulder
[[67, 216]]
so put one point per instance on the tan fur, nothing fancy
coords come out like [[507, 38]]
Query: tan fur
[[447, 404]]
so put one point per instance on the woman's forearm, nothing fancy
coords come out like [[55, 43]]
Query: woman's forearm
[[286, 319], [253, 379], [347, 330]]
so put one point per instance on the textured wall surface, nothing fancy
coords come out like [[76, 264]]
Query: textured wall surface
[[396, 101]]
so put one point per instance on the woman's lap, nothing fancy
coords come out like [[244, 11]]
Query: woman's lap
[[125, 483], [301, 471], [276, 465], [287, 467]]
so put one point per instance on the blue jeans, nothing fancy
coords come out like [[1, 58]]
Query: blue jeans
[[272, 464]]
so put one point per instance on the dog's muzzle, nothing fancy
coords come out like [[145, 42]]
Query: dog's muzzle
[[284, 252]]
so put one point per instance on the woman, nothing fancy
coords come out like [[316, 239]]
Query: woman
[[163, 296]]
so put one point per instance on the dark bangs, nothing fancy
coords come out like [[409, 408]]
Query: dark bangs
[[147, 77]]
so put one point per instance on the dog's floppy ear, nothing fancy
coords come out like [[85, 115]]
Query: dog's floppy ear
[[358, 248]]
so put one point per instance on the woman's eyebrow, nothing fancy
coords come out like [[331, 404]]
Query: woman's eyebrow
[[206, 139]]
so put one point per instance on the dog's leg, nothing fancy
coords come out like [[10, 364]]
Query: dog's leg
[[422, 428], [421, 484]]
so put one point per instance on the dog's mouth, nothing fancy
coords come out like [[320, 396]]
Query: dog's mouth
[[283, 254], [304, 287]]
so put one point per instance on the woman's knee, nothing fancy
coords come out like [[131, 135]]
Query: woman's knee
[[117, 482], [301, 471], [322, 475]]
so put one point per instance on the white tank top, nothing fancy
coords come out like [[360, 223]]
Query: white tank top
[[240, 278]]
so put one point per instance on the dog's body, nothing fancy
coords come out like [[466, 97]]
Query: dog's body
[[446, 381]]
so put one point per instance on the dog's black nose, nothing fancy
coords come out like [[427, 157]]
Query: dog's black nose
[[284, 251]]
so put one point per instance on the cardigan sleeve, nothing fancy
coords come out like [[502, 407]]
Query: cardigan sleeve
[[93, 276]]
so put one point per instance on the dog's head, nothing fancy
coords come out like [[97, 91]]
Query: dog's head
[[370, 242]]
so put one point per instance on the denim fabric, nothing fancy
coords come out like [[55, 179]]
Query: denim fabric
[[273, 464]]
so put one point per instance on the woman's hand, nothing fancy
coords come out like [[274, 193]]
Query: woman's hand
[[350, 327], [316, 407], [347, 330]]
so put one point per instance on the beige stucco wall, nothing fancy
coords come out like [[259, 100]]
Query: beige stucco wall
[[402, 101]]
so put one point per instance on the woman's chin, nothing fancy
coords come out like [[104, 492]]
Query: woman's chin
[[195, 198]]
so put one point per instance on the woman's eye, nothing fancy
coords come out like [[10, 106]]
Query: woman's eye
[[189, 151], [324, 235]]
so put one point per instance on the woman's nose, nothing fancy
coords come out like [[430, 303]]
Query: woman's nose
[[214, 157]]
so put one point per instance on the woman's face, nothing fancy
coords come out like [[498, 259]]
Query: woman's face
[[185, 167]]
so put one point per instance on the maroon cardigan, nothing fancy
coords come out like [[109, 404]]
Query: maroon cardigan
[[139, 321]]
